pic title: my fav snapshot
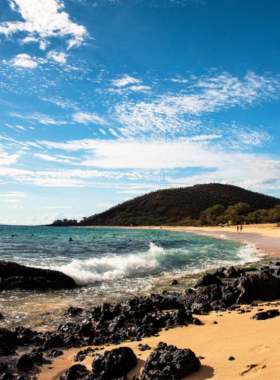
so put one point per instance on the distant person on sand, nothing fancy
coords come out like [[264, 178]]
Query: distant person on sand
[[237, 228], [241, 228]]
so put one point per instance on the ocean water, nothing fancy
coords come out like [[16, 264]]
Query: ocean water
[[108, 263]]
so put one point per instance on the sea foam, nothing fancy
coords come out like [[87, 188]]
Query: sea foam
[[112, 267]]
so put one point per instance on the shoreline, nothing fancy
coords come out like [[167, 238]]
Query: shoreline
[[265, 238]]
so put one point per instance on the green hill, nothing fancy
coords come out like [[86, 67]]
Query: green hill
[[174, 206]]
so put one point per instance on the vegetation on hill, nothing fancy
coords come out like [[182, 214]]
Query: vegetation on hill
[[184, 206]]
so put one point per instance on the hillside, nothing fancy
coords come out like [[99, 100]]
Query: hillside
[[173, 206]]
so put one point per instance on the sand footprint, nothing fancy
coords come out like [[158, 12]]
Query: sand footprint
[[253, 367]]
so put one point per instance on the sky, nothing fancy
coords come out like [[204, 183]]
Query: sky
[[105, 100]]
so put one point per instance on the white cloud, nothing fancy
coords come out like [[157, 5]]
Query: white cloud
[[179, 80], [41, 118], [23, 61], [58, 57], [13, 194], [47, 157], [44, 19], [8, 159], [140, 88], [87, 118], [177, 112], [125, 80]]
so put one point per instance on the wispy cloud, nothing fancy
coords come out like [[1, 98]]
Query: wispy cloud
[[41, 118], [87, 118], [180, 112], [124, 81]]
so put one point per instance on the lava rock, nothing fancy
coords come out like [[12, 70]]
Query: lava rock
[[234, 273], [174, 282], [55, 353], [75, 372], [7, 342], [208, 279], [263, 286], [81, 355], [220, 273], [144, 347], [16, 276], [3, 367], [25, 363], [115, 363], [266, 315], [169, 363]]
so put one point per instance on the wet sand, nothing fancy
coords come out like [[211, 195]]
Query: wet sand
[[254, 345]]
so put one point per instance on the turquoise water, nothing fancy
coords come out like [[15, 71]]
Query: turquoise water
[[110, 263]]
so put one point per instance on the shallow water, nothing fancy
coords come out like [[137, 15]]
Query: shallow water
[[109, 264]]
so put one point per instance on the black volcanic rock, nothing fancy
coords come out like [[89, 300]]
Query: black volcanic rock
[[169, 363], [115, 363], [7, 342], [263, 286], [16, 276], [208, 279], [25, 363], [266, 315], [76, 372]]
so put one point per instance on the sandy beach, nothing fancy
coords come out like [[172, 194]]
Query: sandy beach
[[254, 345], [265, 237]]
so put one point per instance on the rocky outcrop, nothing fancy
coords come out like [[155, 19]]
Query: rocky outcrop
[[263, 286], [114, 364], [16, 276], [169, 363], [208, 279]]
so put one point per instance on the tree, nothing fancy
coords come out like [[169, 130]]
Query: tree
[[236, 211], [212, 213]]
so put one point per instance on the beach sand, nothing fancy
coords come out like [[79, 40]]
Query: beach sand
[[265, 237], [254, 344]]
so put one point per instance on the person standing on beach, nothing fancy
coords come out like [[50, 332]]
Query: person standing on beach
[[237, 227], [241, 228]]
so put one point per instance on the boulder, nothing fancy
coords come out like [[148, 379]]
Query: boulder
[[263, 286], [7, 342], [3, 367], [81, 355], [169, 363], [16, 276], [266, 315], [55, 353], [115, 363], [208, 279], [76, 372], [25, 363]]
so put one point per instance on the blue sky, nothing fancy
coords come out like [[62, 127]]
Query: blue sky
[[104, 100]]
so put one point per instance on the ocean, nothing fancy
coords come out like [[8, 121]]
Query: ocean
[[109, 264]]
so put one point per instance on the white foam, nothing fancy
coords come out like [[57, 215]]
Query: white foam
[[112, 267]]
